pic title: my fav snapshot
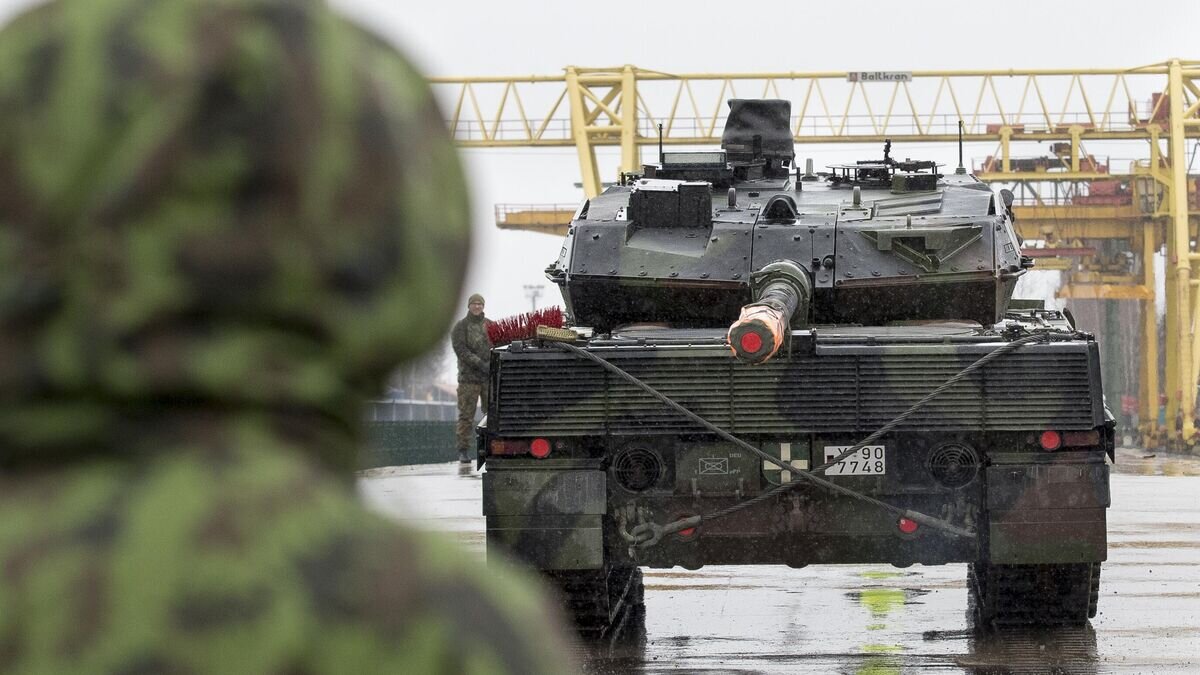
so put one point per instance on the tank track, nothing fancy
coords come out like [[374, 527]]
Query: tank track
[[599, 600], [1034, 595]]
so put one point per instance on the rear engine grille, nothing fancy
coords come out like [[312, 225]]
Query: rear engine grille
[[637, 469], [1038, 387], [954, 465]]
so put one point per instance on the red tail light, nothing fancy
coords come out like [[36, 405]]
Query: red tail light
[[1050, 440], [907, 526], [500, 447], [540, 448], [1080, 439]]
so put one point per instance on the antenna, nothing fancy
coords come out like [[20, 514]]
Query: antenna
[[662, 159], [533, 292], [961, 169]]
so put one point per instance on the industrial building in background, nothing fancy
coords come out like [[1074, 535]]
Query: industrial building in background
[[1101, 222]]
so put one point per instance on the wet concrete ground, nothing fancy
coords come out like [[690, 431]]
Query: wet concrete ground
[[878, 619]]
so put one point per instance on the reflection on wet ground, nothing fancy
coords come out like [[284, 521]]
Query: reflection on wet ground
[[1148, 463], [883, 640], [988, 652], [877, 619]]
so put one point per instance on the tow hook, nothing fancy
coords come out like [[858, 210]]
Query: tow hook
[[651, 534]]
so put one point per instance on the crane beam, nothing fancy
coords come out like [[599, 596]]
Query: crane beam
[[830, 107]]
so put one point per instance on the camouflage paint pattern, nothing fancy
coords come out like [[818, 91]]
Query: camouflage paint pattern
[[221, 224]]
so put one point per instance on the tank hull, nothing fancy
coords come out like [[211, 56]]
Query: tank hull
[[619, 458]]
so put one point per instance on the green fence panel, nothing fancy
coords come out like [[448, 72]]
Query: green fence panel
[[405, 443]]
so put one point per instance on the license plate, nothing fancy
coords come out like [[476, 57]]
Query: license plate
[[869, 461]]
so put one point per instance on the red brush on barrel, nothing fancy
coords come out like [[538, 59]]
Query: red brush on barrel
[[523, 326]]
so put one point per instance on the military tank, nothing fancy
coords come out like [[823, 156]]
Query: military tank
[[769, 365]]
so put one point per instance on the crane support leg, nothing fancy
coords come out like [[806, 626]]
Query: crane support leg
[[1148, 403], [1171, 335], [1180, 259], [630, 154], [1195, 312], [579, 130]]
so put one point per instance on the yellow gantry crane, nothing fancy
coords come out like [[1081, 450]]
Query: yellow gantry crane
[[1073, 209]]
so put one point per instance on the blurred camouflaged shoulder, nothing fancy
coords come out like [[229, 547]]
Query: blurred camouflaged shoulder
[[221, 225]]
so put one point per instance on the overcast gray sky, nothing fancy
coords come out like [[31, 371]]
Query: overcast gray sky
[[541, 37]]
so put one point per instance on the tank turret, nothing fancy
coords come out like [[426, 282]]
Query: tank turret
[[734, 239]]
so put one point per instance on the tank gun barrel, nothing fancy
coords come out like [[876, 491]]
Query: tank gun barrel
[[783, 294]]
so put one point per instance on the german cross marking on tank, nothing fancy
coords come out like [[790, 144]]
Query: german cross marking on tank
[[785, 454]]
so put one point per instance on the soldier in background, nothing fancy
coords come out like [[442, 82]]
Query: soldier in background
[[221, 224], [472, 347]]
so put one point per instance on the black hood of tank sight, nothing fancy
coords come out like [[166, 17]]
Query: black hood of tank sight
[[758, 129]]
